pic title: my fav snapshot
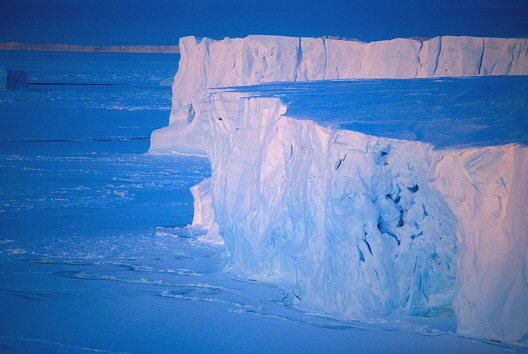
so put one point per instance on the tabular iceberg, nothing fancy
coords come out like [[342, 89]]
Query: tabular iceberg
[[253, 60], [353, 224]]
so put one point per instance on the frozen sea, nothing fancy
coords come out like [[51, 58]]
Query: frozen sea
[[95, 255]]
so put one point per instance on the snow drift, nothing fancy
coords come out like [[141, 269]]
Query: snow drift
[[351, 224]]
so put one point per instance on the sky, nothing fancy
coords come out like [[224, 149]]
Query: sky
[[163, 22]]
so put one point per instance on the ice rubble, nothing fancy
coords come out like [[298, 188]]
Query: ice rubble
[[357, 225]]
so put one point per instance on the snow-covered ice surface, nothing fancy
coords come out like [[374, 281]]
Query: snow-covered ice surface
[[447, 112], [95, 255]]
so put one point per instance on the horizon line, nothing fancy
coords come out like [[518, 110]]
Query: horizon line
[[48, 47]]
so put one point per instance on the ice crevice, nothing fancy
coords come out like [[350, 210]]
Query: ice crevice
[[439, 53], [481, 58], [299, 59], [418, 59], [356, 225]]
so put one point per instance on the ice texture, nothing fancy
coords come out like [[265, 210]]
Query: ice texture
[[486, 190], [203, 218], [352, 224], [345, 221]]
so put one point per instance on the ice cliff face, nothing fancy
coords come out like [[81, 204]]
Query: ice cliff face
[[345, 221], [486, 190], [361, 226], [257, 59], [351, 224]]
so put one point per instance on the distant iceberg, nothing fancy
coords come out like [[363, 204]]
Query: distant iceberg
[[12, 79], [352, 224]]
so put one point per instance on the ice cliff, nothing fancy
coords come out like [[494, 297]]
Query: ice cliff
[[356, 225], [253, 60]]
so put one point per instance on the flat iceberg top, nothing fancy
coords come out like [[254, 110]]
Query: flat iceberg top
[[447, 112]]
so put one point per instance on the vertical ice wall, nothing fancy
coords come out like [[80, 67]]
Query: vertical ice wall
[[345, 221], [361, 226]]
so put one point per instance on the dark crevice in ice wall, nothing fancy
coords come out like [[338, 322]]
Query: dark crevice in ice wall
[[438, 55], [205, 65], [419, 61], [325, 59], [299, 59], [383, 228], [481, 57]]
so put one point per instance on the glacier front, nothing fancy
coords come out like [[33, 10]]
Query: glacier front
[[352, 222]]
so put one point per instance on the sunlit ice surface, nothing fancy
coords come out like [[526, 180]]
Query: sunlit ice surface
[[95, 252]]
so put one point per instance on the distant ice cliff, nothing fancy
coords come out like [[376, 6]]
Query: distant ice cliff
[[253, 60]]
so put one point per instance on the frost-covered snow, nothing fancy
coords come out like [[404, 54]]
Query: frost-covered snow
[[365, 225]]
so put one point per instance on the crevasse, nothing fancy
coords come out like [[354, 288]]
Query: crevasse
[[352, 224]]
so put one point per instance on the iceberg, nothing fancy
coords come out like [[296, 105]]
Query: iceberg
[[12, 79], [352, 224], [3, 78], [255, 59]]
